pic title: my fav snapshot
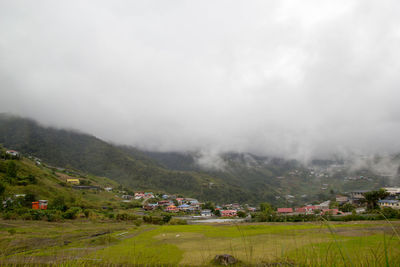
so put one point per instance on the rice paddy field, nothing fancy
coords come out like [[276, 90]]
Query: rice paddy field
[[87, 243]]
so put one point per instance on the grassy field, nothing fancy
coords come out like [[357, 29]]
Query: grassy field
[[78, 243]]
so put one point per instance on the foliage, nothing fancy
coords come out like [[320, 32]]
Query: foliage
[[71, 213], [390, 213], [58, 204], [11, 169], [175, 221], [347, 207], [166, 218], [266, 208], [372, 198], [2, 189], [153, 220], [241, 214], [126, 217], [208, 205]]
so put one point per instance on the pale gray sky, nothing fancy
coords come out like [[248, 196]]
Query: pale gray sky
[[287, 78]]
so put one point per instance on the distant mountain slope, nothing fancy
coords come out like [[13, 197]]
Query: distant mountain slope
[[241, 177], [286, 182], [89, 154]]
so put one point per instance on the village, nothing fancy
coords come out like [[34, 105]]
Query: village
[[177, 205]]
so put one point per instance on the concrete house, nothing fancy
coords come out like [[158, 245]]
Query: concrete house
[[73, 181], [394, 204], [206, 213]]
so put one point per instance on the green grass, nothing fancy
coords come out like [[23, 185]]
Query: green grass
[[306, 244]]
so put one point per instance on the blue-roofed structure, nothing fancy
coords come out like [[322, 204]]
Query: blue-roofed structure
[[391, 203]]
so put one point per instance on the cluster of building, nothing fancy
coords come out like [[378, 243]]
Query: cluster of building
[[322, 208], [175, 204], [393, 200], [355, 198]]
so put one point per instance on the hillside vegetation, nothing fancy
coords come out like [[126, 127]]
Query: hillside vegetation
[[243, 177], [89, 154], [27, 182]]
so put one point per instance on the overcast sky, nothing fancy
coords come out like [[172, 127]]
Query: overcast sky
[[288, 78]]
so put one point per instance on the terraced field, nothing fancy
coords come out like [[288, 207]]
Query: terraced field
[[89, 243]]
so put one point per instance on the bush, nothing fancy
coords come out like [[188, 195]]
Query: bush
[[87, 213], [166, 218], [347, 207], [175, 221], [58, 204], [137, 222], [126, 217], [71, 213], [12, 231], [12, 169], [3, 166], [390, 213], [54, 216], [153, 220], [122, 217], [241, 214]]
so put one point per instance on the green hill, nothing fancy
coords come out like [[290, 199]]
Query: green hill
[[33, 182], [243, 178], [89, 154]]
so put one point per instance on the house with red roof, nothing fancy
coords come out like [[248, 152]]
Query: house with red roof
[[171, 208], [330, 211], [228, 213], [285, 210]]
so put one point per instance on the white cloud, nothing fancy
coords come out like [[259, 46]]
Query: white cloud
[[287, 78]]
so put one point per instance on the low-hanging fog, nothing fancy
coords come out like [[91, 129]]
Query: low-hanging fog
[[297, 79]]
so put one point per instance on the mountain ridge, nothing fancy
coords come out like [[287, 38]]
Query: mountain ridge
[[244, 177]]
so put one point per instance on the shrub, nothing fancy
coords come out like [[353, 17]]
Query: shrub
[[87, 213], [241, 214], [137, 222], [166, 218], [175, 221], [12, 231], [122, 217], [71, 213], [54, 215], [58, 204], [12, 169], [390, 213]]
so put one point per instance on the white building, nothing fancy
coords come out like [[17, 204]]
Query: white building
[[392, 190], [206, 213]]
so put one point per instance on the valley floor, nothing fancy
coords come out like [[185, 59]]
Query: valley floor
[[77, 243]]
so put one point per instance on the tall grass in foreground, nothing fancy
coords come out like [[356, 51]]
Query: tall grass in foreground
[[326, 244]]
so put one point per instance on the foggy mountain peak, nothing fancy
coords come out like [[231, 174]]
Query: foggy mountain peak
[[281, 78]]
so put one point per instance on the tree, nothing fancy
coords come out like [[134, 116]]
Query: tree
[[372, 198], [2, 189], [333, 205], [266, 208], [28, 199], [59, 203], [241, 214], [208, 205], [217, 213], [12, 169], [347, 207], [166, 218]]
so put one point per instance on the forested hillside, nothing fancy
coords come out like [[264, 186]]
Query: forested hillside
[[89, 154], [243, 177]]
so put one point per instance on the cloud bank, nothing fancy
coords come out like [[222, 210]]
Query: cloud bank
[[285, 78]]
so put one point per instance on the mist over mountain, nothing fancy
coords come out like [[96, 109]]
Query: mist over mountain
[[288, 79], [224, 177]]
